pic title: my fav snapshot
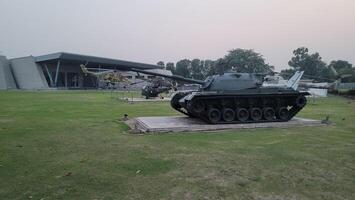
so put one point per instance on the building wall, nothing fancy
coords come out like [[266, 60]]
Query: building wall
[[28, 74], [7, 80], [70, 76]]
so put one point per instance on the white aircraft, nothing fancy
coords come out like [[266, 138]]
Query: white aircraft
[[278, 81]]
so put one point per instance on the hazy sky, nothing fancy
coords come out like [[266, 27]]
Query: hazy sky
[[170, 30]]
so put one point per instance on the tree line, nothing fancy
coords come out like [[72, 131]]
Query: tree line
[[249, 61]]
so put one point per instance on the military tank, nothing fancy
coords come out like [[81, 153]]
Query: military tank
[[238, 98]]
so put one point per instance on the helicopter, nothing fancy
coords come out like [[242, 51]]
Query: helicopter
[[333, 85], [109, 77], [157, 86], [314, 83]]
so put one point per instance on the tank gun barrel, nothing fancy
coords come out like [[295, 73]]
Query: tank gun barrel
[[174, 77]]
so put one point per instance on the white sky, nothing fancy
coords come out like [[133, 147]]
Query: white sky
[[170, 30]]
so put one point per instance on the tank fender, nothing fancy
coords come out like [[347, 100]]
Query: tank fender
[[209, 80], [186, 98], [190, 96]]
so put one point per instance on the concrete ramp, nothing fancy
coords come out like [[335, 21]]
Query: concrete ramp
[[7, 80], [28, 74], [185, 124], [157, 99]]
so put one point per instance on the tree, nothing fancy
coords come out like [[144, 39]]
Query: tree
[[197, 69], [183, 68], [170, 66], [340, 65], [161, 63], [220, 66], [287, 73], [243, 60], [209, 68], [311, 64]]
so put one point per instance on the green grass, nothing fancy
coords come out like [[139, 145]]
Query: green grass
[[72, 145]]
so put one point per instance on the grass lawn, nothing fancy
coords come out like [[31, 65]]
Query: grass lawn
[[72, 145]]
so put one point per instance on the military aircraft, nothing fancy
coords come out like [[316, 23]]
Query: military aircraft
[[108, 76], [332, 85], [341, 88], [278, 81], [157, 86]]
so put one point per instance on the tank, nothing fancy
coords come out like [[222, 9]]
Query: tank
[[239, 98]]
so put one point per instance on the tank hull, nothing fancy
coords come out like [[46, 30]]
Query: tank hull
[[244, 106]]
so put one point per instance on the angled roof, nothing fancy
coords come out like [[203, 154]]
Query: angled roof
[[83, 59]]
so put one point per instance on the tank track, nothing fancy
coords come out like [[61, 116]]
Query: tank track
[[246, 108], [174, 103]]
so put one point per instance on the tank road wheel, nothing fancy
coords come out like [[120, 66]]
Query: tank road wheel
[[242, 114], [269, 113], [196, 106], [228, 115], [214, 115], [301, 101], [283, 113], [256, 114]]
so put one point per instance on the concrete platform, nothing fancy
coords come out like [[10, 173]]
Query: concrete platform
[[184, 124], [146, 100]]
